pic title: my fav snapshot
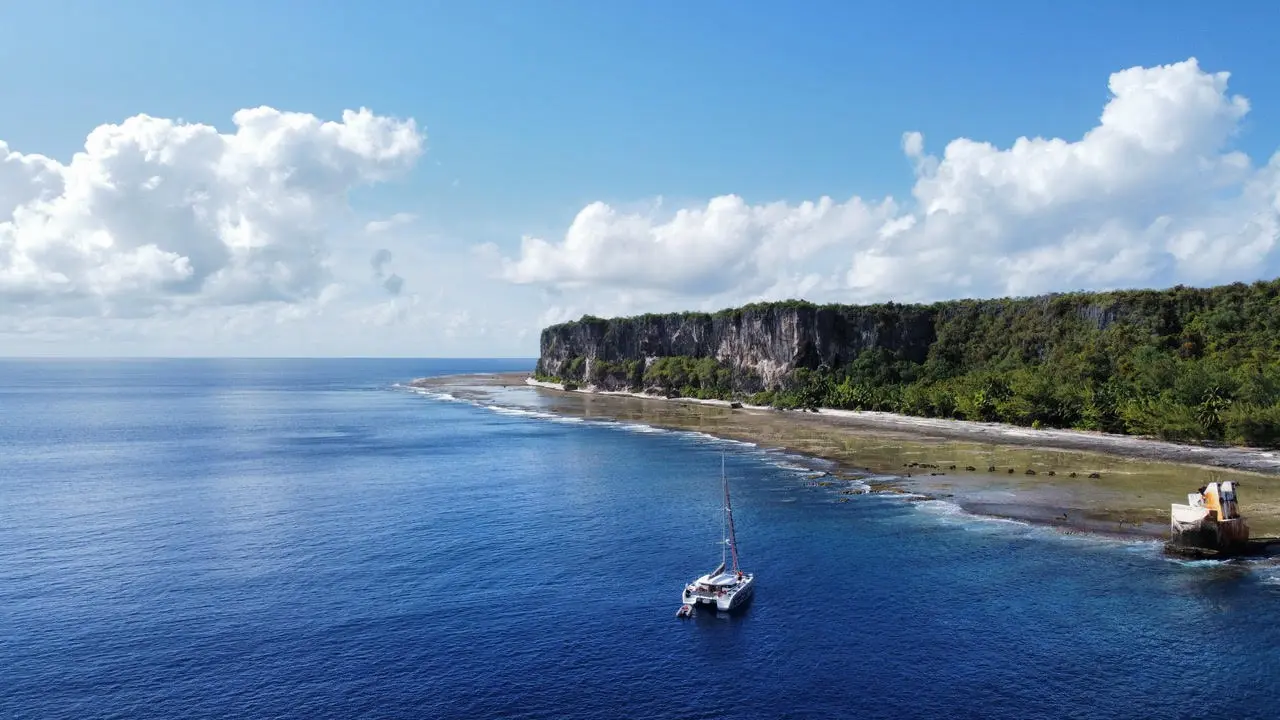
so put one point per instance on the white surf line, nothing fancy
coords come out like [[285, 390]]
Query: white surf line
[[937, 510]]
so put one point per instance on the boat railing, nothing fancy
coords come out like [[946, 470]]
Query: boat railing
[[716, 593], [711, 594]]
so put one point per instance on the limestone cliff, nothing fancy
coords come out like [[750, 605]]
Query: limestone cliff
[[761, 345], [1182, 363]]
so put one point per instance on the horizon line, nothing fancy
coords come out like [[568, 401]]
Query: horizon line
[[263, 357]]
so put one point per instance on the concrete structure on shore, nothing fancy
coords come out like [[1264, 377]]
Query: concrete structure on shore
[[1209, 524]]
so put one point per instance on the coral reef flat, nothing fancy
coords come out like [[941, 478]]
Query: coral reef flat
[[1082, 481]]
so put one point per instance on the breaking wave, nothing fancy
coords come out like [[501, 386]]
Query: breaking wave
[[811, 470]]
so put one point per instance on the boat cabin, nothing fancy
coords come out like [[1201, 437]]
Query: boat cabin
[[723, 580]]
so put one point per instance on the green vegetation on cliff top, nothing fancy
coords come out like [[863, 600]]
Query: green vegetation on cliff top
[[1187, 364], [733, 312]]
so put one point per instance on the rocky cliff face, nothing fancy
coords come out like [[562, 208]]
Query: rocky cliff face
[[761, 345]]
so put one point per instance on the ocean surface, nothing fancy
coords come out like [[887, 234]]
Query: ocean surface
[[308, 539]]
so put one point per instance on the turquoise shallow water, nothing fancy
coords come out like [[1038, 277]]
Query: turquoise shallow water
[[293, 538]]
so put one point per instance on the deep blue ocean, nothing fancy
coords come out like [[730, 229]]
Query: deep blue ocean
[[305, 539]]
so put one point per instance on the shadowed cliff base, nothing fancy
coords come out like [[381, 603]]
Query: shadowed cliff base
[[984, 468]]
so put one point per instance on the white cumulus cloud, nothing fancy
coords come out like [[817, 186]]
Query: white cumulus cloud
[[156, 215], [374, 227], [727, 244], [1153, 194]]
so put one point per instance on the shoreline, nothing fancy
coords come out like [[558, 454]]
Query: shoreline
[[1239, 459], [1085, 482]]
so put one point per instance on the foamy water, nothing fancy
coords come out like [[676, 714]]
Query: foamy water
[[814, 471]]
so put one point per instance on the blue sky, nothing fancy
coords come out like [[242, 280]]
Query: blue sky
[[532, 111]]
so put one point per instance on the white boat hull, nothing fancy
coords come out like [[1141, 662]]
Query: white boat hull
[[723, 599]]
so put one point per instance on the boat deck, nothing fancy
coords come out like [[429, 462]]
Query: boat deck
[[723, 592]]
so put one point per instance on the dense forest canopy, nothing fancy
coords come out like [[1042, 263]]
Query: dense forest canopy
[[1190, 364]]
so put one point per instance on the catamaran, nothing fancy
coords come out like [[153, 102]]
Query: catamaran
[[726, 588]]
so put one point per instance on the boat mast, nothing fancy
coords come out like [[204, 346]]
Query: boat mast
[[724, 524], [728, 514]]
